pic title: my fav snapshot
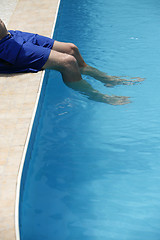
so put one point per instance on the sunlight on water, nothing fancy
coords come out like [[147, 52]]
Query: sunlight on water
[[94, 172]]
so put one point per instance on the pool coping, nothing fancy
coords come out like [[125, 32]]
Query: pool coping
[[18, 187]]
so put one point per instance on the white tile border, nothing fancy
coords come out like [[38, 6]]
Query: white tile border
[[17, 200]]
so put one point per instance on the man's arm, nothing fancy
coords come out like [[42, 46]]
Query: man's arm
[[3, 30]]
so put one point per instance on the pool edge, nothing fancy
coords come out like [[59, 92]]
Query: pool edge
[[18, 185]]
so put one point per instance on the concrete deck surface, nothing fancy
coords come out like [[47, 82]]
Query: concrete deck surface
[[18, 95], [7, 9]]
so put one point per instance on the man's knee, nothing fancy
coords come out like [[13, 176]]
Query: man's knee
[[73, 49], [70, 61], [70, 70]]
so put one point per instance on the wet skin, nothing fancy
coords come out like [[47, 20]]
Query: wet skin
[[66, 58]]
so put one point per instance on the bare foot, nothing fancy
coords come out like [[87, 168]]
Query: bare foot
[[86, 89], [113, 81], [116, 100], [109, 81]]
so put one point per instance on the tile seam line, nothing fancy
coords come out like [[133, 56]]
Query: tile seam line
[[18, 183]]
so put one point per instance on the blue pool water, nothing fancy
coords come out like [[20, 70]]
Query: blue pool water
[[94, 170]]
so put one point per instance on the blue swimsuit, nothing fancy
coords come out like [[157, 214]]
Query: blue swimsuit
[[24, 52]]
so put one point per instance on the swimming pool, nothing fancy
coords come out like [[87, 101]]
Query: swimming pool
[[94, 168]]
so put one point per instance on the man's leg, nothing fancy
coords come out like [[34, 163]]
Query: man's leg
[[70, 49], [66, 64]]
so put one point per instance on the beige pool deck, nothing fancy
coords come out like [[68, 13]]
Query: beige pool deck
[[18, 97]]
